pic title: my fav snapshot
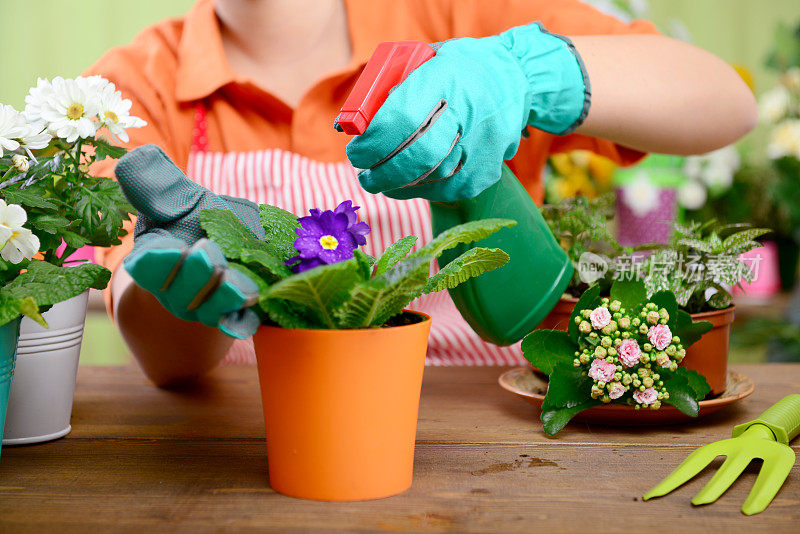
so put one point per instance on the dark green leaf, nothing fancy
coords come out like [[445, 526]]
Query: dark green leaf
[[631, 294], [696, 381], [547, 348], [464, 233], [681, 395], [267, 265], [27, 198], [474, 262], [568, 386], [48, 222], [287, 314], [365, 263], [73, 240], [690, 332], [554, 419], [321, 290], [105, 150], [374, 301], [394, 253], [279, 226], [226, 230], [589, 300], [48, 284]]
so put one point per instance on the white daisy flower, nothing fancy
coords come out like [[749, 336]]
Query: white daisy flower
[[22, 245], [774, 104], [716, 169], [115, 113], [18, 243], [35, 138], [71, 108], [641, 196], [692, 195], [36, 100], [12, 127], [785, 140]]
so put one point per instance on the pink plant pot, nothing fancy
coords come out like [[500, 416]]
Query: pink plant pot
[[763, 262]]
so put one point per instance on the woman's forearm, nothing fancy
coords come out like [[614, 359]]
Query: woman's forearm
[[657, 94], [169, 350]]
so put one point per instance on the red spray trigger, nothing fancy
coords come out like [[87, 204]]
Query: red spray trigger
[[389, 65]]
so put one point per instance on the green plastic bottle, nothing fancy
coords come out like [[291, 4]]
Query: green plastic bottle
[[504, 305]]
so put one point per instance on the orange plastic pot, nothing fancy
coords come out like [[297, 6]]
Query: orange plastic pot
[[709, 356], [340, 409]]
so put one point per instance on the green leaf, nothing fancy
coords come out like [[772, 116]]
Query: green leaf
[[279, 225], [690, 332], [375, 301], [666, 300], [226, 230], [48, 222], [72, 239], [267, 265], [30, 309], [470, 264], [681, 395], [696, 244], [11, 308], [589, 300], [547, 348], [27, 198], [568, 386], [696, 381], [394, 253], [365, 263], [48, 284], [287, 314], [631, 294], [464, 233], [263, 286], [321, 289], [554, 419], [738, 239], [105, 150]]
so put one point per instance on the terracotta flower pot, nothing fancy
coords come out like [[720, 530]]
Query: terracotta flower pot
[[340, 408], [709, 356]]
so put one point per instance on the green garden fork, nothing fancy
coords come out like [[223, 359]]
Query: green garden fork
[[767, 438]]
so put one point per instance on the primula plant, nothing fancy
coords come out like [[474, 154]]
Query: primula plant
[[311, 273], [625, 348], [45, 184]]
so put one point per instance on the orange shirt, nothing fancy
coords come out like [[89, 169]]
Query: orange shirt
[[171, 66]]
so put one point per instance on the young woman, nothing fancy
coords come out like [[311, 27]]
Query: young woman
[[241, 94]]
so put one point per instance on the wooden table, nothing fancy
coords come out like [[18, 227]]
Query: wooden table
[[146, 460]]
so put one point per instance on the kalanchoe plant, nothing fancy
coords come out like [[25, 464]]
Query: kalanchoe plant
[[332, 284], [701, 264], [45, 155], [625, 348]]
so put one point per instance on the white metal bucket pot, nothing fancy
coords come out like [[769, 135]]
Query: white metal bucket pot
[[40, 403]]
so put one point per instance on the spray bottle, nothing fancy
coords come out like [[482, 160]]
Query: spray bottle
[[503, 305]]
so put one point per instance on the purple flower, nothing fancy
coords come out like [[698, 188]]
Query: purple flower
[[326, 237], [358, 229]]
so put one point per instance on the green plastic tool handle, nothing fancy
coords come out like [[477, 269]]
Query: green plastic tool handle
[[783, 418]]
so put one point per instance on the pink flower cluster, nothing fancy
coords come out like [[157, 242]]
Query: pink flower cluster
[[602, 370], [600, 317], [660, 336], [629, 352], [646, 397]]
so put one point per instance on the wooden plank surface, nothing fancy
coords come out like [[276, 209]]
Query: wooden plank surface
[[143, 458]]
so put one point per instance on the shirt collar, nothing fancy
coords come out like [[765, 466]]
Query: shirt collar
[[203, 67]]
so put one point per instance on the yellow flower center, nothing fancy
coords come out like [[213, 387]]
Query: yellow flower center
[[14, 235], [75, 111], [110, 115], [328, 242]]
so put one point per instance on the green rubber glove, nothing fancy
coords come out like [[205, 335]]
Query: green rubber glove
[[443, 133], [171, 257]]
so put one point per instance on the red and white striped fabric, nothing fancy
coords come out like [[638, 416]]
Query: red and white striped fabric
[[297, 184]]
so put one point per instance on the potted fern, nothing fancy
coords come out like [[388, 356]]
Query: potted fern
[[50, 148], [340, 359]]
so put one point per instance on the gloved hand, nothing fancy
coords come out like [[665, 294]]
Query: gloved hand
[[171, 258], [443, 133]]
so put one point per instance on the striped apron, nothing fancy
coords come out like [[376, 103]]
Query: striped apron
[[297, 184]]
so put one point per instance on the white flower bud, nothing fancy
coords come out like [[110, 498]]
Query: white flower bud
[[20, 162]]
